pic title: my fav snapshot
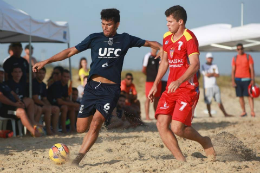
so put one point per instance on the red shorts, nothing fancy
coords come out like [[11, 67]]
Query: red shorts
[[180, 104], [148, 87]]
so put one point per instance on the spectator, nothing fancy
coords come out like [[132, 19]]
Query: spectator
[[211, 89], [55, 75], [58, 96], [75, 94], [20, 89], [81, 88], [10, 52], [51, 113], [83, 69], [150, 69], [10, 102], [16, 60], [130, 92], [27, 54], [118, 118], [243, 74]]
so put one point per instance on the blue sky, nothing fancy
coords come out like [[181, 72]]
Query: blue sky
[[141, 18]]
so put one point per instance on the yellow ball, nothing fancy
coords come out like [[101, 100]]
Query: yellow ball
[[59, 153]]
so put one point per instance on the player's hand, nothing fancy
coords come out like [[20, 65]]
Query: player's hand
[[19, 104], [160, 53], [152, 93], [234, 84], [38, 66], [173, 86]]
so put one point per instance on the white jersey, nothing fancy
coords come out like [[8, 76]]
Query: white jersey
[[209, 82]]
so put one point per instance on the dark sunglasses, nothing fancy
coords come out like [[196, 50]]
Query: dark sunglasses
[[130, 78]]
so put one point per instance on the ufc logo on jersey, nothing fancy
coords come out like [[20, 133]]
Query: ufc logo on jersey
[[108, 52]]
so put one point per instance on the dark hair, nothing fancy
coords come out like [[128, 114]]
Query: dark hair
[[177, 12], [60, 68], [28, 46], [18, 44], [110, 14], [121, 95], [65, 71], [43, 69], [128, 74], [74, 89], [85, 77], [240, 44]]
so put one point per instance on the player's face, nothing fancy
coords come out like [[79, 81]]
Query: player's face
[[240, 50], [172, 24], [121, 102], [129, 80], [40, 75], [17, 51], [2, 76], [74, 95], [209, 60], [56, 75], [17, 74], [109, 27], [65, 78], [84, 63], [27, 51]]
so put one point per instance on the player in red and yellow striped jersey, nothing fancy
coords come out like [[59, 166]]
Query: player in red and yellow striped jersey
[[177, 103]]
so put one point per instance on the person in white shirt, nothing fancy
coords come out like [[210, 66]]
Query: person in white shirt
[[211, 89]]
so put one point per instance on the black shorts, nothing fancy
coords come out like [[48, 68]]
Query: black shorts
[[99, 96], [242, 88], [7, 111]]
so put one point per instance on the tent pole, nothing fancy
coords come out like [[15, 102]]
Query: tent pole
[[30, 67], [242, 14], [70, 65]]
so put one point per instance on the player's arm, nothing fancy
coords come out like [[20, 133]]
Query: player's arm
[[161, 72], [7, 101], [58, 57], [15, 96], [233, 74], [144, 70], [192, 70], [252, 73], [155, 45]]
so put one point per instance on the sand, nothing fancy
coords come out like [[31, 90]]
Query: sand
[[236, 142]]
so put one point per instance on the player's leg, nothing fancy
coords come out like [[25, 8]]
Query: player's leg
[[240, 95], [64, 111], [72, 118], [147, 105], [168, 138], [208, 98], [55, 111], [242, 104], [37, 113], [46, 110], [251, 103], [29, 105], [92, 135], [157, 96]]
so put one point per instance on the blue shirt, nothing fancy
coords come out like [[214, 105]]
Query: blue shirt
[[39, 89], [18, 88], [107, 53], [6, 91], [56, 91]]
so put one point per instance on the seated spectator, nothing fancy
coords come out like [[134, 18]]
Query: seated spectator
[[39, 95], [16, 60], [81, 88], [10, 52], [118, 118], [83, 69], [130, 92], [75, 94], [19, 88], [55, 75], [10, 102], [58, 96], [27, 54]]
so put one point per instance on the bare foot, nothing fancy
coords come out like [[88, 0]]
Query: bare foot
[[36, 134], [252, 114], [210, 116], [209, 149]]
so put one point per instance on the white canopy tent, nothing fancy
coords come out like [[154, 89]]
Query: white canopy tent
[[18, 26], [224, 38]]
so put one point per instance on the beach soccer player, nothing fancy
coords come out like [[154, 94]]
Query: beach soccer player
[[102, 91], [177, 103]]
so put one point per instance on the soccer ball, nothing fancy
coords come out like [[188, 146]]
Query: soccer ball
[[59, 153]]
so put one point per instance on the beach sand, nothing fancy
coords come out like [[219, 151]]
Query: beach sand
[[236, 142]]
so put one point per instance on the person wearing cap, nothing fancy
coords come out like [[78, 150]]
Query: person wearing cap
[[243, 74], [27, 54], [16, 60], [11, 102], [211, 89]]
